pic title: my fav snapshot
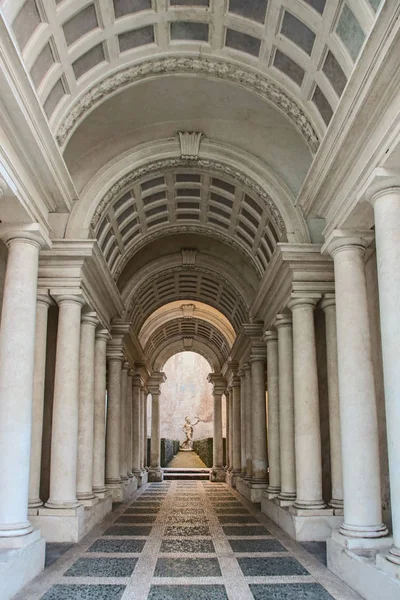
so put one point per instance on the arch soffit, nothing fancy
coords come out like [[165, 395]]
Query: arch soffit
[[227, 70], [174, 346], [114, 178], [204, 264], [176, 310]]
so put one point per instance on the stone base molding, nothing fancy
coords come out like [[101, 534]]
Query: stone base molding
[[232, 477], [217, 474], [70, 525], [302, 525], [252, 491], [156, 474], [362, 564], [21, 561]]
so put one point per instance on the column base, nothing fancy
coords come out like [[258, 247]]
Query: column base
[[301, 525], [156, 474], [286, 498], [232, 477], [217, 474], [252, 490], [70, 525], [36, 503], [305, 506], [354, 531], [363, 565], [22, 559], [272, 492], [143, 478]]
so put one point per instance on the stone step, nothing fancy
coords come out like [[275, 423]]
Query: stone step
[[197, 474]]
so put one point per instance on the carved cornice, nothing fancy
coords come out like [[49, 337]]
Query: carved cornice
[[177, 163], [258, 83]]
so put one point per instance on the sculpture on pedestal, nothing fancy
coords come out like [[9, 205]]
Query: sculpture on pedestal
[[187, 445]]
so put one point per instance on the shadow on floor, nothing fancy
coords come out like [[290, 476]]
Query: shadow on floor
[[54, 551], [317, 549]]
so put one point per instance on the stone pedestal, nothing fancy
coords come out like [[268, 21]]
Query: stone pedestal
[[251, 490], [155, 474], [21, 562]]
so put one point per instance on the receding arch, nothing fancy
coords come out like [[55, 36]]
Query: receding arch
[[174, 346]]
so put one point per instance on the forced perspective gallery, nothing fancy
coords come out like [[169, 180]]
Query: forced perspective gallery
[[219, 177]]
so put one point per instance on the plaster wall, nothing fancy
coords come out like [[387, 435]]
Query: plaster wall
[[186, 393], [373, 307]]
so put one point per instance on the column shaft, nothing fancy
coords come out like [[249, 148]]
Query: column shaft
[[17, 348], [155, 432], [128, 430], [144, 427], [113, 420], [86, 407], [64, 439], [236, 442], [228, 427], [248, 416], [283, 325], [136, 427], [306, 407], [329, 307], [259, 420], [273, 414], [242, 422], [42, 310], [230, 408], [123, 467], [358, 417], [387, 220], [217, 432], [99, 430]]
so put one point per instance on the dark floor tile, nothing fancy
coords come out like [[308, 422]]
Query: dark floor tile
[[187, 567], [111, 546], [226, 504], [187, 530], [317, 549], [188, 546], [187, 592], [271, 567], [245, 530], [289, 591], [232, 511], [141, 511], [102, 567], [256, 546], [85, 592], [237, 519], [54, 551], [136, 519], [127, 530]]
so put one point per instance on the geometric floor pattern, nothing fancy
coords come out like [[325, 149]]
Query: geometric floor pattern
[[187, 540]]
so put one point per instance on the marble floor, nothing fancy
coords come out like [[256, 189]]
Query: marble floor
[[186, 540]]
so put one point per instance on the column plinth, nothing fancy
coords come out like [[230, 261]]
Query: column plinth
[[283, 326], [358, 416], [64, 441]]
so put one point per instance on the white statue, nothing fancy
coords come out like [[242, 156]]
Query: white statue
[[187, 429]]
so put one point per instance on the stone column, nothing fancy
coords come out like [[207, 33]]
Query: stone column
[[230, 409], [113, 478], [217, 473], [84, 485], [387, 218], [228, 427], [271, 338], [144, 428], [136, 425], [329, 307], [17, 349], [42, 309], [128, 430], [64, 439], [259, 417], [242, 422], [283, 326], [306, 407], [155, 471], [236, 442], [248, 417], [99, 431], [123, 467], [358, 416]]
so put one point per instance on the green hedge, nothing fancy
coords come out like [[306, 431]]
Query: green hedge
[[204, 449], [168, 450]]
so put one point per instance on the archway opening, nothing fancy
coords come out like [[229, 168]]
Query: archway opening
[[186, 409]]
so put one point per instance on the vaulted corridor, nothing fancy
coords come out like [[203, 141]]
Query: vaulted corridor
[[187, 541]]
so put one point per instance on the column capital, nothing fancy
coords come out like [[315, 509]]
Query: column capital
[[29, 232], [328, 301], [342, 239], [114, 355], [90, 318], [125, 365], [283, 320], [137, 380], [271, 335], [240, 373], [68, 297], [246, 367], [218, 383], [43, 297], [103, 334], [307, 301], [131, 372], [235, 381], [154, 383], [258, 352]]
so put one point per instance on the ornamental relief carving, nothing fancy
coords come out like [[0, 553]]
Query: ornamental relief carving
[[258, 83], [179, 163]]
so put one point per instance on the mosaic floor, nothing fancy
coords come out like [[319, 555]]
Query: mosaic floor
[[187, 540]]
